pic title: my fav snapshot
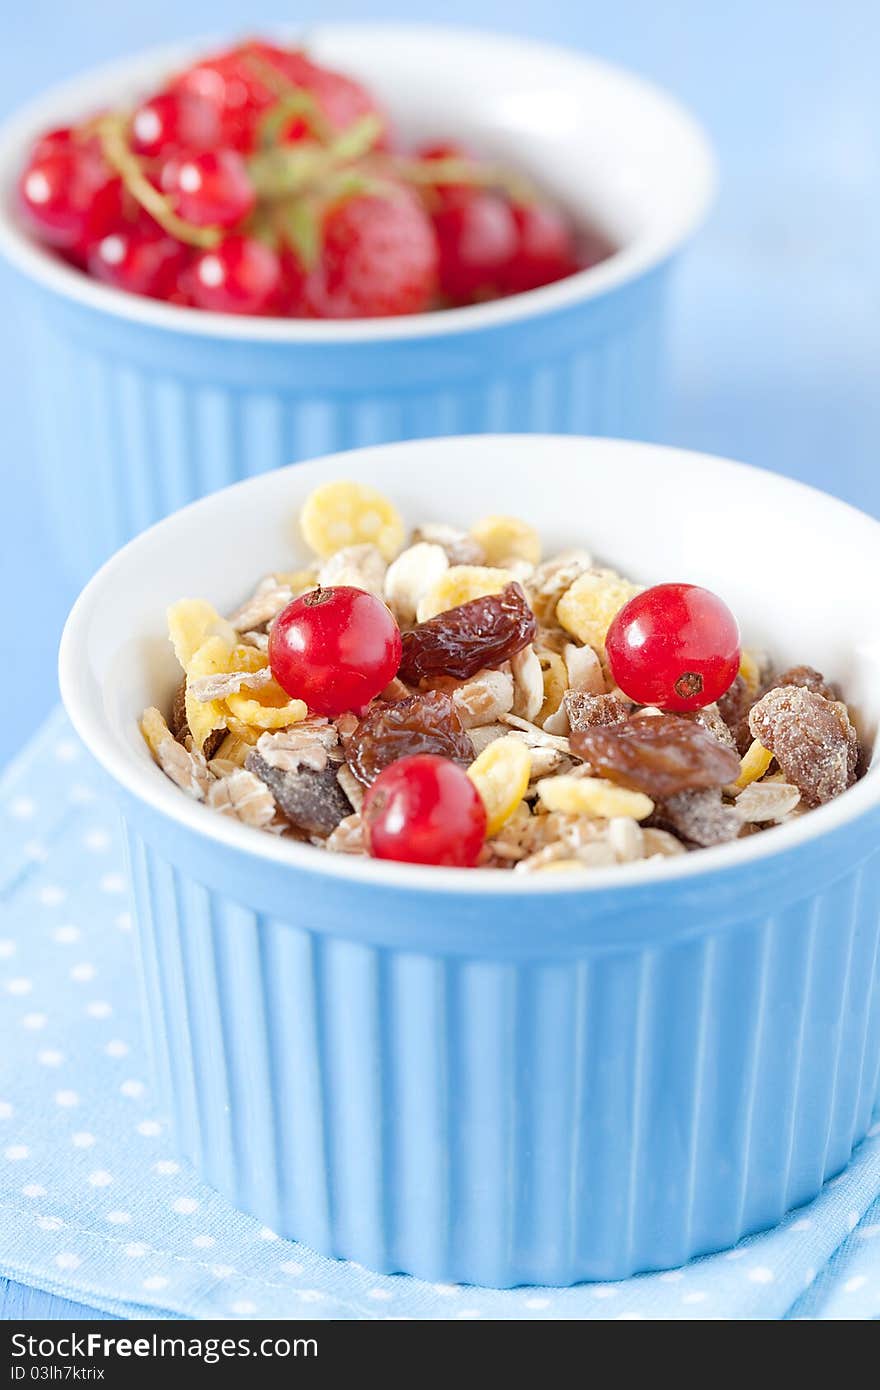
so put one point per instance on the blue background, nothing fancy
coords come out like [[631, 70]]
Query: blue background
[[775, 346]]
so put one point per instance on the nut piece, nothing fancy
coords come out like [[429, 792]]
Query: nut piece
[[358, 566], [812, 739], [484, 699], [590, 711], [528, 683], [416, 570], [342, 514], [764, 803], [593, 796], [459, 585], [594, 599], [311, 801], [584, 669], [501, 775]]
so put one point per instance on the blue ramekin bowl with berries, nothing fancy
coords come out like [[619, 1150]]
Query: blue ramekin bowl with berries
[[491, 1077], [142, 406]]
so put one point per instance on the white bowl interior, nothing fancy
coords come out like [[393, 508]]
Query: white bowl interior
[[800, 570], [617, 151]]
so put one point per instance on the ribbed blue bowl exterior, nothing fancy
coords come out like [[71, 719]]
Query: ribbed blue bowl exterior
[[132, 421], [526, 1090]]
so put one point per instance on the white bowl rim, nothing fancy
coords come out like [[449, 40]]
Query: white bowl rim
[[633, 261], [144, 781]]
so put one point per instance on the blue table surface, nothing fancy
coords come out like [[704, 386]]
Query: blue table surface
[[775, 342]]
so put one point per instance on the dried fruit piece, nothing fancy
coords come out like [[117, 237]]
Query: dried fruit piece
[[466, 639], [762, 803], [458, 585], [754, 764], [592, 602], [424, 723], [501, 775], [592, 796], [191, 621], [700, 817], [410, 577], [312, 801], [809, 679], [660, 754], [812, 738], [590, 711], [710, 719], [505, 538], [343, 514]]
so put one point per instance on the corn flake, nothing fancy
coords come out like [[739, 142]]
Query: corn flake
[[342, 514]]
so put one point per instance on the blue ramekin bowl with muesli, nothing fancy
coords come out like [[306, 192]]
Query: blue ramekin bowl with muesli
[[142, 406], [507, 1078]]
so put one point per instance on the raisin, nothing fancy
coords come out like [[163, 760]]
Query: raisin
[[808, 678], [464, 640], [660, 754], [812, 739], [734, 706], [700, 817], [589, 711], [425, 723], [312, 801]]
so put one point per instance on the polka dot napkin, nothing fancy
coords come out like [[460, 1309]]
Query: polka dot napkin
[[94, 1205]]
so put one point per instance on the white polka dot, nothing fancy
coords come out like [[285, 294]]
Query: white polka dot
[[149, 1128], [66, 752], [870, 1232], [6, 1110], [291, 1267], [97, 841], [49, 1223], [603, 1291], [83, 1140], [7, 948], [802, 1224], [167, 1167], [113, 883], [379, 1295], [67, 1260], [266, 1233], [16, 1152], [309, 1295], [34, 1021], [118, 1218], [132, 1089], [469, 1313], [446, 1290], [66, 1098], [80, 794], [852, 1220], [244, 1308], [537, 1303], [858, 1281], [185, 1206], [117, 1048], [135, 1251], [49, 1057], [222, 1271], [83, 972], [36, 851], [22, 808], [760, 1274], [100, 1178], [67, 934], [51, 895], [671, 1276], [156, 1281], [19, 985], [123, 921], [99, 1008], [33, 1190], [695, 1296], [203, 1242]]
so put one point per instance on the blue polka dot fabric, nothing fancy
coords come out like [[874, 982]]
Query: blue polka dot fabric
[[96, 1207]]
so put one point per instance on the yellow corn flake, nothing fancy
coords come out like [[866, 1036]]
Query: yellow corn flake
[[555, 677], [750, 671], [235, 749], [191, 621], [586, 609], [298, 581], [212, 658], [754, 764], [501, 776], [592, 796], [155, 730], [506, 538], [270, 707], [341, 514], [460, 584], [242, 732]]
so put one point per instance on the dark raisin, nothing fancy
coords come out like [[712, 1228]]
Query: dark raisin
[[467, 639], [588, 711], [424, 723], [812, 739], [808, 678], [660, 754], [734, 706], [312, 801]]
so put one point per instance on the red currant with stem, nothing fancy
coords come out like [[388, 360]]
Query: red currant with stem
[[209, 188], [142, 260], [242, 276], [335, 648], [425, 810], [545, 248], [477, 238], [674, 645], [174, 120], [69, 195]]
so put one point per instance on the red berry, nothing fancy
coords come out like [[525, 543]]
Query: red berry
[[173, 120], [425, 810], [242, 276], [477, 239], [443, 194], [675, 645], [335, 648], [545, 248], [378, 258], [68, 194], [209, 188], [142, 260]]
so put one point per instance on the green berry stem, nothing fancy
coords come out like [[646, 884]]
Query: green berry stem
[[112, 131]]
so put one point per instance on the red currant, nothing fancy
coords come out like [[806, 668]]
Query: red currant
[[142, 260], [545, 248], [675, 645], [425, 810], [335, 648], [477, 238], [209, 188], [69, 195], [173, 120], [242, 276]]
